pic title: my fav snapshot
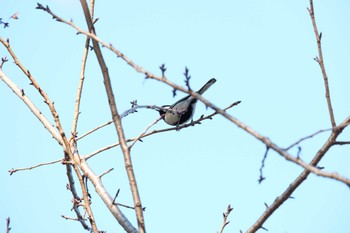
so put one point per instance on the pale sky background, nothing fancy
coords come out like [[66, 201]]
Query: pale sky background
[[260, 52]]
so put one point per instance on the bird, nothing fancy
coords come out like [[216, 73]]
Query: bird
[[182, 110]]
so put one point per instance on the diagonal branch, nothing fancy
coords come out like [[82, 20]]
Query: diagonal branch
[[21, 94], [94, 129], [144, 132], [300, 179], [109, 46], [307, 137], [41, 117], [62, 139]]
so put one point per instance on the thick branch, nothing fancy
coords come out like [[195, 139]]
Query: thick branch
[[117, 123]]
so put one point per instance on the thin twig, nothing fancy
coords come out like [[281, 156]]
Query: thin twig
[[94, 129], [70, 218], [320, 61], [13, 170], [261, 178], [131, 110], [82, 74], [106, 172], [115, 197], [80, 85], [129, 207], [86, 157], [225, 216], [342, 143], [144, 132], [3, 61], [307, 137]]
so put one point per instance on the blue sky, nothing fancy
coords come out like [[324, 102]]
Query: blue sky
[[260, 52]]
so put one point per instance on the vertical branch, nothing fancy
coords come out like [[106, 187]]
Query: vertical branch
[[80, 86], [82, 75], [320, 61], [75, 123], [225, 216], [117, 123], [74, 129]]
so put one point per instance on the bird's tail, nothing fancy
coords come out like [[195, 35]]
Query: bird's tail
[[206, 86]]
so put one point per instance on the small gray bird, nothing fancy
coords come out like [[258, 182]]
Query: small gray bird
[[183, 110]]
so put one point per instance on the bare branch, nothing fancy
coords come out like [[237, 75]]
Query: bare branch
[[101, 150], [3, 61], [300, 179], [82, 74], [72, 189], [144, 132], [13, 170], [80, 86], [129, 207], [187, 79], [118, 125], [94, 129], [116, 195], [225, 216], [70, 218], [41, 117], [342, 143], [106, 172], [307, 137], [320, 61], [107, 199]]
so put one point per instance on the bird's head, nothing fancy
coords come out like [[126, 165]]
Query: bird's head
[[163, 110]]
